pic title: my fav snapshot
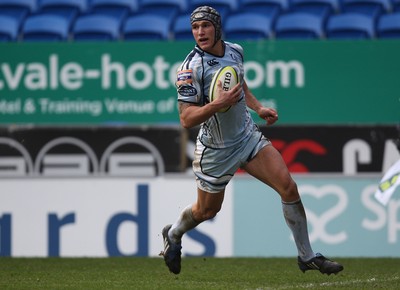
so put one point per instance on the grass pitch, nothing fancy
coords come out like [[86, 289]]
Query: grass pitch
[[197, 273]]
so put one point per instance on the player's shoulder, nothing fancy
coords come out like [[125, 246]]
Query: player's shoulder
[[189, 70], [192, 59], [234, 46]]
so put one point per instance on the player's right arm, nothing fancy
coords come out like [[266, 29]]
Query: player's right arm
[[191, 115]]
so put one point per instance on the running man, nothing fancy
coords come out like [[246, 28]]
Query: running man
[[228, 141]]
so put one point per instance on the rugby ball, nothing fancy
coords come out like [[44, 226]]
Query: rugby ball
[[228, 77]]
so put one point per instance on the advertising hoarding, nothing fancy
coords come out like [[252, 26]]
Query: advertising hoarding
[[100, 217], [325, 82]]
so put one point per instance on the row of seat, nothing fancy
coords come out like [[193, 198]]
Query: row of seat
[[243, 26], [185, 6], [164, 19]]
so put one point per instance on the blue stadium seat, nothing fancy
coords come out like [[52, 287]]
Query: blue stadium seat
[[19, 9], [323, 8], [114, 8], [224, 7], [95, 27], [388, 26], [248, 26], [182, 30], [69, 9], [9, 28], [270, 8], [137, 27], [166, 8], [66, 8], [396, 5], [299, 26], [372, 8], [350, 26], [45, 27]]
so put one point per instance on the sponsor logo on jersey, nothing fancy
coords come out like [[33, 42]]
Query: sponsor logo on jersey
[[187, 91], [184, 77], [212, 62]]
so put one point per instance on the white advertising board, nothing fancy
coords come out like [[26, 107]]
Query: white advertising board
[[100, 217]]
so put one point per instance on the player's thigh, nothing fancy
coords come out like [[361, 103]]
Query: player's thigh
[[269, 167]]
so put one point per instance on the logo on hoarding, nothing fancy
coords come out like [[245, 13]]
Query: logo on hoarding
[[320, 222], [290, 151], [18, 165], [70, 156], [55, 73]]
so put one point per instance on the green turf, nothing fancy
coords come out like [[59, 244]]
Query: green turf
[[197, 273]]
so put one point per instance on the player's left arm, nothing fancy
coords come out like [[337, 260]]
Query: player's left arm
[[268, 114]]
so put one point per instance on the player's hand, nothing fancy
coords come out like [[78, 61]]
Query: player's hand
[[231, 97], [269, 114]]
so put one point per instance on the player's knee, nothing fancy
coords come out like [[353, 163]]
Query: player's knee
[[207, 214], [290, 191]]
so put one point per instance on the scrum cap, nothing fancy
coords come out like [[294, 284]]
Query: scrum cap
[[210, 14]]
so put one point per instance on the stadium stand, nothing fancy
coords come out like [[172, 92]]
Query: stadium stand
[[224, 7], [350, 26], [18, 9], [269, 8], [69, 9], [9, 28], [321, 8], [248, 26], [96, 27], [264, 6], [137, 27], [396, 5], [119, 9], [299, 25], [372, 8], [45, 27], [388, 26], [283, 18], [181, 29], [169, 9]]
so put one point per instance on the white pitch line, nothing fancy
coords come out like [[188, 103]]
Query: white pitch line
[[338, 283]]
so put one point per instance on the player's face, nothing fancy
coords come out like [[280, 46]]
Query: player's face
[[204, 34]]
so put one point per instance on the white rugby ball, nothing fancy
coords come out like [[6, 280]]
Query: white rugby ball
[[228, 77]]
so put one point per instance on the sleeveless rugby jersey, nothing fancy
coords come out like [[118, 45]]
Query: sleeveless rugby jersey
[[193, 81]]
